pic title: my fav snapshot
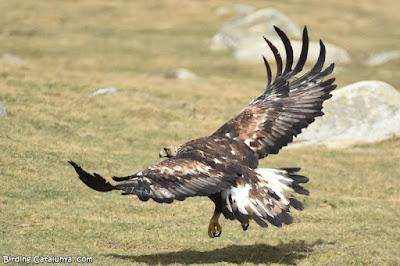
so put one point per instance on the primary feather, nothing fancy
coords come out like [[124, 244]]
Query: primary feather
[[287, 105]]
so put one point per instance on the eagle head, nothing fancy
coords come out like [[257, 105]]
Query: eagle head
[[169, 151]]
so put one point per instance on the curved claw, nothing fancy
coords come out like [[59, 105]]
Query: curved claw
[[245, 226], [216, 234], [214, 229]]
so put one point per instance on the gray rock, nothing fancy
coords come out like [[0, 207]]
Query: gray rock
[[250, 52], [3, 110], [9, 59], [382, 58], [363, 112], [244, 36], [180, 73], [234, 9], [248, 27]]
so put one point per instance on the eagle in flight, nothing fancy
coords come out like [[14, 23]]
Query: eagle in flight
[[224, 165]]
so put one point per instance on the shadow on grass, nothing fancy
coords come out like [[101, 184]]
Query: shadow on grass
[[284, 253]]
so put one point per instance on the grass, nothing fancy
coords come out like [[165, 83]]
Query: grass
[[73, 48]]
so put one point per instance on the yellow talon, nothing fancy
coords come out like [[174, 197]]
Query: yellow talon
[[244, 226], [214, 229]]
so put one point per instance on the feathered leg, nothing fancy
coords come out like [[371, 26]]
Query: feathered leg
[[215, 229]]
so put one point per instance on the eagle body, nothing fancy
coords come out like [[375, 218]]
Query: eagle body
[[224, 165]]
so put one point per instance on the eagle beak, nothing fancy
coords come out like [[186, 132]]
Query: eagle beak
[[162, 153]]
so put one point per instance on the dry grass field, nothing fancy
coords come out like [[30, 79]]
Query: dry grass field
[[69, 49]]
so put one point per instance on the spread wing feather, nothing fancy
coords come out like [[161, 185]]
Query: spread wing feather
[[288, 104], [175, 178]]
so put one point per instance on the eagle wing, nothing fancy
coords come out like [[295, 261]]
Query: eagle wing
[[288, 104], [174, 178]]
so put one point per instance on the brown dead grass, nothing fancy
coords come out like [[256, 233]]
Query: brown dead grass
[[73, 48]]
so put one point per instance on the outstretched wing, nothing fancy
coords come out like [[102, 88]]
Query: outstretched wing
[[288, 104], [174, 178]]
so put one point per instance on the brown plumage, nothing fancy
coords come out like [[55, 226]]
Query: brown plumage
[[224, 165]]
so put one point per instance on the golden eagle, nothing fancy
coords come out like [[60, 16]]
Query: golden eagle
[[224, 165]]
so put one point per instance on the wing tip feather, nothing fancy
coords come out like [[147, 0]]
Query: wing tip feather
[[95, 181]]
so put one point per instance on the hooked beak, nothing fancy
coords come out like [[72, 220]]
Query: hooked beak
[[162, 154]]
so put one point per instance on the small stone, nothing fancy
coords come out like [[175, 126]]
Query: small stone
[[9, 59], [180, 73], [3, 110], [104, 91]]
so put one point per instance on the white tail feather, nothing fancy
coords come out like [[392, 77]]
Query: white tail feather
[[268, 196], [276, 180]]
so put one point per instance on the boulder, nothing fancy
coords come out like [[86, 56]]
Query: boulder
[[363, 112], [382, 58], [234, 9], [246, 28], [244, 36]]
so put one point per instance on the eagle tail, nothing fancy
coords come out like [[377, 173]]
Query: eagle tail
[[94, 181], [268, 198]]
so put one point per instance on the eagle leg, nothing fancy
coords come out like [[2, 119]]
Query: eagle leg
[[215, 229], [244, 226]]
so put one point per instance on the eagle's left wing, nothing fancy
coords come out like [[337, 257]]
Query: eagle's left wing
[[172, 179], [288, 104]]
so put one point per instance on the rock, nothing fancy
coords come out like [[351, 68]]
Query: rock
[[244, 36], [252, 26], [382, 58], [9, 59], [104, 91], [180, 73], [235, 9], [251, 52], [363, 112], [3, 110]]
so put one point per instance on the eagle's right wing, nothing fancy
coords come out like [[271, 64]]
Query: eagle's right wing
[[288, 104]]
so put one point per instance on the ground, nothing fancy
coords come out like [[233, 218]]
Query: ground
[[69, 49]]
